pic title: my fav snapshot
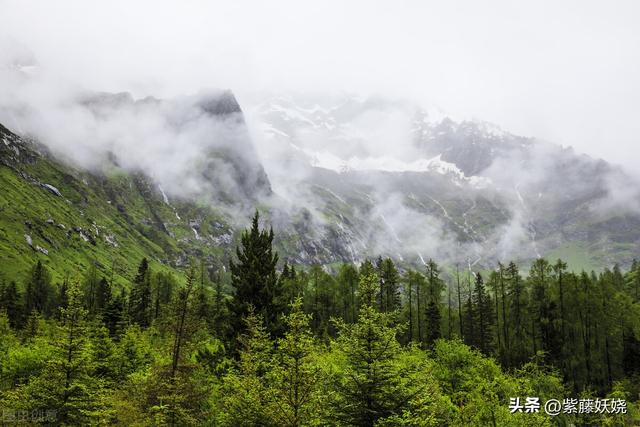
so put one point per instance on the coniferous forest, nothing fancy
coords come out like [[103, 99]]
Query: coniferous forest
[[260, 342]]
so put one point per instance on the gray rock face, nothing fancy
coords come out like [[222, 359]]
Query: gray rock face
[[492, 195]]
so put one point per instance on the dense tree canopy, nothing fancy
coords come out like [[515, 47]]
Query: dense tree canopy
[[380, 343]]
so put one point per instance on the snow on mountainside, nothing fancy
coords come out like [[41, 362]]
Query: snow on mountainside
[[345, 178], [422, 180]]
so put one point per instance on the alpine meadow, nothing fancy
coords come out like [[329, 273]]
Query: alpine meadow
[[266, 214]]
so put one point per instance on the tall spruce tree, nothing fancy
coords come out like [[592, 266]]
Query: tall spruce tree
[[140, 296], [11, 302], [38, 290], [255, 280], [389, 297], [433, 316], [369, 390], [295, 376], [483, 317]]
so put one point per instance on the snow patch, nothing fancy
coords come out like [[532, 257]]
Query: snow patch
[[327, 160]]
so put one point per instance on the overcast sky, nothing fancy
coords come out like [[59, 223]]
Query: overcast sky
[[566, 71]]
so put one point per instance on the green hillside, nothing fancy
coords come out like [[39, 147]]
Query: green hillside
[[69, 218]]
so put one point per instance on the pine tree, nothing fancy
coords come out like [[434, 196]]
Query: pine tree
[[245, 397], [348, 285], [389, 297], [38, 290], [254, 278], [140, 297], [483, 317], [433, 316], [517, 307], [114, 315], [163, 287], [203, 306], [66, 385], [102, 296], [541, 306], [10, 301], [295, 376], [368, 391], [90, 288], [102, 352], [182, 323]]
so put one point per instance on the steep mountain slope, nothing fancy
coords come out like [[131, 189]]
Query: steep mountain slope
[[68, 217], [353, 179], [397, 179]]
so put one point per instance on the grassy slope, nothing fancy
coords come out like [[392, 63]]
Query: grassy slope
[[119, 215]]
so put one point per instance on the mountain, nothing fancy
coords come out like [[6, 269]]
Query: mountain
[[389, 177], [68, 215], [339, 181]]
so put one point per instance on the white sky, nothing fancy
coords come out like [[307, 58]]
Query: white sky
[[566, 71]]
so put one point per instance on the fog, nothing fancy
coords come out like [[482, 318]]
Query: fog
[[567, 72]]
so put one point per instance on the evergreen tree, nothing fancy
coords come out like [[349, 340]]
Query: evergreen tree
[[163, 287], [245, 398], [66, 385], [203, 306], [182, 324], [102, 296], [368, 391], [90, 288], [517, 309], [433, 316], [114, 316], [10, 301], [348, 285], [389, 296], [295, 376], [483, 317], [38, 290], [254, 278], [140, 297]]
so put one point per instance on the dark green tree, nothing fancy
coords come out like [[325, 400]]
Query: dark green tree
[[140, 296], [254, 278], [483, 317], [38, 290], [11, 302], [433, 315], [389, 297]]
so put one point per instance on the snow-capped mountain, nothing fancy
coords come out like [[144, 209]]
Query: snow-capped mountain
[[389, 176], [340, 178]]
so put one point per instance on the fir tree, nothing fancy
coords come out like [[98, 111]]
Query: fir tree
[[483, 317], [114, 316], [295, 376], [38, 290], [254, 278], [368, 391], [246, 400], [389, 285], [66, 386], [102, 296], [140, 297], [433, 316], [10, 301]]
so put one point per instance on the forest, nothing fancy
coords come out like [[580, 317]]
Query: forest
[[256, 341]]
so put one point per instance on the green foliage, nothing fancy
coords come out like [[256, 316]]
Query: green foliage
[[357, 346], [254, 277]]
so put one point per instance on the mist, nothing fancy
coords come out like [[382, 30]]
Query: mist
[[561, 73], [566, 73]]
